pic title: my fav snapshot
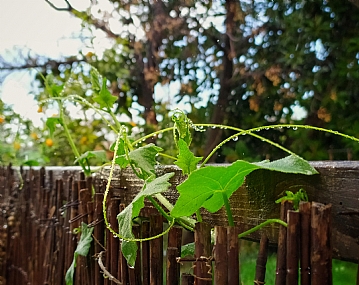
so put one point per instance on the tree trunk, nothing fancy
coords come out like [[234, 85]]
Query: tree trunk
[[218, 116]]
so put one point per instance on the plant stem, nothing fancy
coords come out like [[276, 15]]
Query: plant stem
[[199, 216], [186, 220], [87, 169], [267, 222], [159, 208], [228, 209]]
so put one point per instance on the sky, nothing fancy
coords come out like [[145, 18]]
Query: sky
[[34, 25]]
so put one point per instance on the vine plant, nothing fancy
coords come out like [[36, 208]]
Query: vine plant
[[208, 187]]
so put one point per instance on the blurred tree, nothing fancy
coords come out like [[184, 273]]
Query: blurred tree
[[19, 139], [256, 62]]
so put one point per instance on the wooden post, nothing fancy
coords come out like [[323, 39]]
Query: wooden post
[[187, 279], [321, 251], [281, 271], [99, 236], [145, 250], [233, 256], [156, 250], [293, 235], [175, 241], [261, 261], [202, 237], [220, 256], [172, 269], [305, 269]]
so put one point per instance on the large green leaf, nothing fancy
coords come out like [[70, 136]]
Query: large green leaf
[[82, 249], [186, 159], [205, 187], [289, 164], [124, 218]]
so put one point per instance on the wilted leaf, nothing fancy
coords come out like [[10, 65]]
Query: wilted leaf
[[82, 249], [125, 218]]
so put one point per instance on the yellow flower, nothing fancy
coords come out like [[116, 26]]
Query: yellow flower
[[17, 145], [133, 124], [89, 54], [39, 110], [34, 136], [83, 140], [2, 119], [49, 142]]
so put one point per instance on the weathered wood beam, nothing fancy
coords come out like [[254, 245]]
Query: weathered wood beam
[[253, 203]]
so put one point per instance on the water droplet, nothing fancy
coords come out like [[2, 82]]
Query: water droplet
[[235, 139], [243, 134], [267, 129], [295, 128], [213, 127]]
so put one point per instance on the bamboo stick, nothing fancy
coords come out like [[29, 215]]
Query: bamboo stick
[[293, 239], [261, 261], [220, 256], [321, 251], [305, 270]]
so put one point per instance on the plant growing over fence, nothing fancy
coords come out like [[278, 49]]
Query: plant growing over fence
[[208, 187]]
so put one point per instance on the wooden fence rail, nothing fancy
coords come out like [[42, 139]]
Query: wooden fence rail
[[38, 230]]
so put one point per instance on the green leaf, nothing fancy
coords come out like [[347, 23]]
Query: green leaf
[[52, 88], [31, 162], [187, 249], [51, 124], [129, 251], [121, 158], [204, 187], [82, 249], [181, 126], [145, 159], [99, 154], [186, 159], [95, 79], [125, 218], [105, 99], [290, 164]]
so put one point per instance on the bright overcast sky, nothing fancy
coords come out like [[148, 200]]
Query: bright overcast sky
[[35, 26]]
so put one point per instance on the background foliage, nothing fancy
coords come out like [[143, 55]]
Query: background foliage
[[241, 63]]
